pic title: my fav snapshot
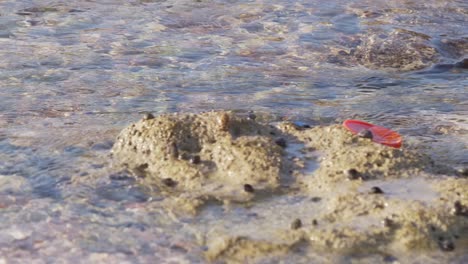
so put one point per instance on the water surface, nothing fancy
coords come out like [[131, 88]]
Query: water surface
[[74, 73]]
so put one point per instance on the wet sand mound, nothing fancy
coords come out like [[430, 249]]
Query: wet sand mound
[[211, 155], [363, 198]]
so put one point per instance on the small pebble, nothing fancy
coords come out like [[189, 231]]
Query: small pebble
[[184, 156], [172, 150], [464, 172], [148, 116], [195, 159], [387, 222], [446, 245], [223, 122], [376, 190], [389, 259], [463, 64], [251, 116], [343, 53], [296, 224], [365, 134], [142, 167], [300, 125], [315, 199], [120, 176], [380, 206], [252, 215], [352, 174], [169, 182], [315, 222], [179, 249], [459, 209], [248, 188], [281, 142]]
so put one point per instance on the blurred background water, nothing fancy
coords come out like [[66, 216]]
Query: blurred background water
[[74, 73]]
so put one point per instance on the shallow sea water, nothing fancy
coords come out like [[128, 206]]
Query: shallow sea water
[[74, 73]]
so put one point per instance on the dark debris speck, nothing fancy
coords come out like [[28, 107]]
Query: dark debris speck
[[169, 182], [352, 174], [365, 134], [301, 125], [281, 142], [195, 159], [464, 172], [446, 244], [121, 176], [376, 190], [148, 116], [389, 259], [296, 224], [387, 222], [459, 209], [463, 64], [251, 116], [179, 249], [315, 199], [248, 188], [172, 150], [184, 156]]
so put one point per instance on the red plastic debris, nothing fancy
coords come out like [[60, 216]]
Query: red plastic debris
[[380, 134]]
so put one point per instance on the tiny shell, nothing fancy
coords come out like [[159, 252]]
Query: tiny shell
[[223, 122]]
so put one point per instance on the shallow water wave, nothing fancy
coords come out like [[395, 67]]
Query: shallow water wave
[[74, 73]]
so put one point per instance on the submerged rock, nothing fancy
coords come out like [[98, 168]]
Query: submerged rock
[[455, 47], [402, 50]]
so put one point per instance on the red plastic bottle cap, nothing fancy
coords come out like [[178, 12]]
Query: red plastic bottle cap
[[380, 134]]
